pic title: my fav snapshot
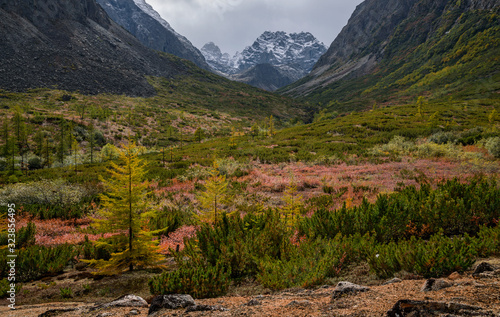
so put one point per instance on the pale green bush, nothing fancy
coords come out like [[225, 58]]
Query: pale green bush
[[43, 192], [493, 146]]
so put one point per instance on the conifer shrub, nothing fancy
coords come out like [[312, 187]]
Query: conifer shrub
[[454, 207], [437, 257], [199, 281], [168, 220], [487, 242], [313, 261], [25, 236], [36, 261], [5, 287]]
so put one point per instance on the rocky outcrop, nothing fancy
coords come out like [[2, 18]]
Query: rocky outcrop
[[433, 284], [360, 45], [415, 308], [170, 302], [378, 31], [345, 288], [124, 301], [140, 19], [74, 45]]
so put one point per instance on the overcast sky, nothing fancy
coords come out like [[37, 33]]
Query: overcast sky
[[235, 24]]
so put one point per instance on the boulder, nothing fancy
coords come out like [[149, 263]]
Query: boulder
[[416, 308], [343, 288], [124, 301], [454, 276], [205, 308], [170, 302], [433, 284], [483, 267]]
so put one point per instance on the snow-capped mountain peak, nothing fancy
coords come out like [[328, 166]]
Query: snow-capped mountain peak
[[294, 54]]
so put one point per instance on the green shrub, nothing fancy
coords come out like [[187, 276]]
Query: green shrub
[[455, 207], [5, 287], [46, 192], [66, 292], [203, 281], [471, 136], [38, 261], [35, 163], [168, 220], [493, 146], [443, 137], [24, 237], [437, 257]]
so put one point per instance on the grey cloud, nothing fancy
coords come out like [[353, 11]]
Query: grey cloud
[[235, 24]]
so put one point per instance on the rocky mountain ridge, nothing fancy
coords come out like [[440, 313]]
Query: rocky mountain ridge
[[140, 19], [74, 45], [288, 57], [397, 38]]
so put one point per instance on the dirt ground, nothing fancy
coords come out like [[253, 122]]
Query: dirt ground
[[466, 289]]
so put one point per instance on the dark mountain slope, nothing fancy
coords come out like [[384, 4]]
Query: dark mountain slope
[[267, 76], [143, 22], [399, 49], [74, 45]]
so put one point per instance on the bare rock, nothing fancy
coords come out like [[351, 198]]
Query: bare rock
[[483, 267], [299, 303], [415, 308], [454, 276], [205, 308], [56, 312], [343, 288], [253, 302], [170, 302], [124, 301], [433, 284], [393, 281]]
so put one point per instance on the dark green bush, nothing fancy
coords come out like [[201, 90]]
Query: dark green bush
[[199, 281], [35, 163], [36, 261], [5, 287], [455, 207], [25, 236], [437, 257]]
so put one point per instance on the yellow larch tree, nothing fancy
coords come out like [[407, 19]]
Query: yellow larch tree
[[214, 197], [124, 211]]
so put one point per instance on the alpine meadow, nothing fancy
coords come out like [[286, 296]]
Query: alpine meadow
[[142, 176]]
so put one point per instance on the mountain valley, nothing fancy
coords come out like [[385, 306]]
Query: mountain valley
[[264, 183]]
